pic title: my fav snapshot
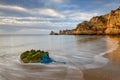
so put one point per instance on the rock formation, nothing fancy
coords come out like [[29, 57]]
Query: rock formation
[[35, 56], [53, 33], [105, 24]]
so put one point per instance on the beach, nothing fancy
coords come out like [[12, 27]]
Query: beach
[[111, 70]]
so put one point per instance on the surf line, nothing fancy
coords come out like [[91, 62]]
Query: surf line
[[114, 47]]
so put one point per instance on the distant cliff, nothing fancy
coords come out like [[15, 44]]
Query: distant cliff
[[105, 24], [53, 33]]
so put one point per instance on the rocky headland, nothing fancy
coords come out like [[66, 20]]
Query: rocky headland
[[99, 25], [53, 33]]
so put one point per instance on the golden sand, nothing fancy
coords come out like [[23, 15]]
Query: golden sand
[[109, 72]]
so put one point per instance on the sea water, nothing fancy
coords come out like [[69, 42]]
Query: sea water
[[78, 52]]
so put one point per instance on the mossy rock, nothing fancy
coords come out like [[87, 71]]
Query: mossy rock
[[32, 56]]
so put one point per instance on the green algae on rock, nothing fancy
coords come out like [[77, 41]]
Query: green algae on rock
[[32, 56]]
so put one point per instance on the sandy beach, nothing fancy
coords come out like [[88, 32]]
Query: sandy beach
[[111, 71]]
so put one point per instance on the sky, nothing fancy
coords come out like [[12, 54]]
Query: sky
[[42, 16]]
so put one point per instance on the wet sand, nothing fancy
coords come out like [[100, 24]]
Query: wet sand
[[109, 72]]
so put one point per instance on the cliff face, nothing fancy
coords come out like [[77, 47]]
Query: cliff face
[[113, 23], [105, 24]]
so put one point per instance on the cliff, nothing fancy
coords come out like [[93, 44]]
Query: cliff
[[104, 24]]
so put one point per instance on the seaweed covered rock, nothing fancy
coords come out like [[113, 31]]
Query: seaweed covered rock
[[34, 56]]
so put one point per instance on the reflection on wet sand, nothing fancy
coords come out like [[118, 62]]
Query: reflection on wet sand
[[88, 39], [112, 70], [115, 55]]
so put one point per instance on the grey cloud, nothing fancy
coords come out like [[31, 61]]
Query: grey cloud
[[24, 3]]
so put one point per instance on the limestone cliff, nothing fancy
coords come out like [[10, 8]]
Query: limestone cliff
[[105, 24]]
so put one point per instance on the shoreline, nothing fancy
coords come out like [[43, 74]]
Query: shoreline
[[111, 70]]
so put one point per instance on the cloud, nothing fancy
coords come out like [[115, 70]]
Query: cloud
[[38, 21], [22, 24], [57, 1], [17, 8], [70, 14], [39, 15], [83, 16], [50, 12], [39, 24], [64, 16], [38, 12], [41, 20], [24, 3]]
